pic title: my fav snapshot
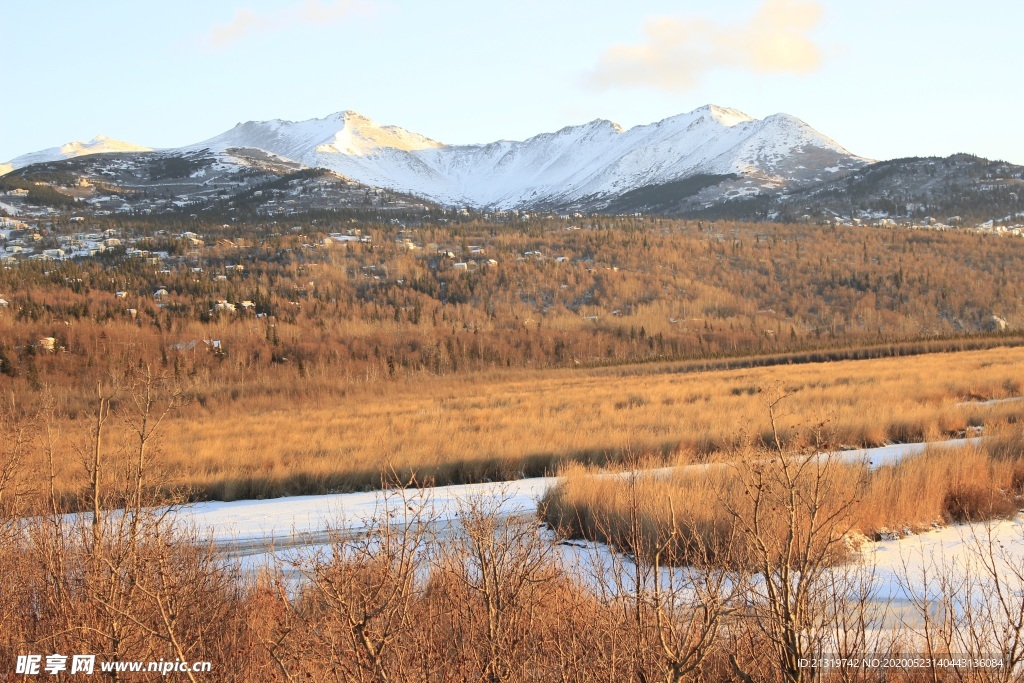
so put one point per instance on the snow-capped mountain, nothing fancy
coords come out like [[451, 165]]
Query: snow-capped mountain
[[591, 165], [587, 163], [346, 133], [98, 145]]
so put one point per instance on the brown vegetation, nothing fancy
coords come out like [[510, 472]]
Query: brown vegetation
[[500, 373], [650, 336], [507, 425], [698, 504], [629, 290], [485, 599]]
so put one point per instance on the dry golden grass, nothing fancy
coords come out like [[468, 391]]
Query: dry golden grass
[[938, 486], [945, 485], [509, 424]]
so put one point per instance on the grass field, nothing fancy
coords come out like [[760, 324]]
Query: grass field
[[507, 425], [700, 505]]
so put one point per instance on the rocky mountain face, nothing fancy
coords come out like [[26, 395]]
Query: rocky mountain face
[[232, 183], [953, 189]]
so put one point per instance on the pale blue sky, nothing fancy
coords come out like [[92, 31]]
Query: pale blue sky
[[885, 78]]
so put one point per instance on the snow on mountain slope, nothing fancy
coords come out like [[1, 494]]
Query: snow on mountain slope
[[346, 133], [98, 145], [590, 164], [593, 160]]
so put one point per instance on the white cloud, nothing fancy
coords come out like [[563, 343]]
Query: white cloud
[[678, 53], [247, 22]]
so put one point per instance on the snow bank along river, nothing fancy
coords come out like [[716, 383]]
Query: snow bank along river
[[902, 572]]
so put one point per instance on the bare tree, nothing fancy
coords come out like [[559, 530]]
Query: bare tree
[[793, 520], [859, 619], [16, 436], [361, 590], [497, 569], [982, 597], [151, 397], [95, 466], [999, 628], [111, 571], [676, 586], [928, 581]]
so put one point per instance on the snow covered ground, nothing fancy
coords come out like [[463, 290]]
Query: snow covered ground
[[244, 526], [250, 526], [905, 567], [898, 578], [979, 564]]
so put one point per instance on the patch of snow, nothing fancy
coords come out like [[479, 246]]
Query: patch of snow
[[913, 567], [260, 520], [990, 402], [253, 520]]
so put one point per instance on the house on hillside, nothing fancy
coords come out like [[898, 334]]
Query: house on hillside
[[161, 294]]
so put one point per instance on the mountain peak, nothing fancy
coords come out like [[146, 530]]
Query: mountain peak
[[783, 118], [351, 115], [100, 144], [605, 123], [795, 128], [727, 116], [361, 136]]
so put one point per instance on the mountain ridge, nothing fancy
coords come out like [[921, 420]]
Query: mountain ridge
[[590, 164], [100, 144], [596, 160]]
